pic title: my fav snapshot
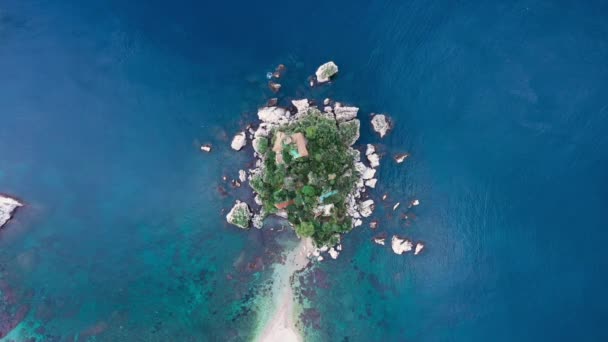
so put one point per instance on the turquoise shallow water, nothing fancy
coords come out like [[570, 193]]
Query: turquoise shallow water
[[502, 107]]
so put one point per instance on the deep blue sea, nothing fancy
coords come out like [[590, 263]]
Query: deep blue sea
[[502, 105]]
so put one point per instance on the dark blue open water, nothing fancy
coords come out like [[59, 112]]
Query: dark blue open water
[[502, 105]]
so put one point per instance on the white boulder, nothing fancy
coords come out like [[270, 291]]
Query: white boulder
[[273, 115], [366, 208], [381, 124], [239, 141], [301, 105], [379, 240], [242, 176], [400, 245], [206, 148], [7, 207], [333, 253], [400, 158], [325, 71], [419, 247], [370, 149], [374, 160], [371, 183]]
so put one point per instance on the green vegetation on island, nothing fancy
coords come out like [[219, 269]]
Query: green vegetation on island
[[308, 171]]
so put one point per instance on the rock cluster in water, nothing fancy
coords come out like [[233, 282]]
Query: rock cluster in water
[[8, 206], [359, 206]]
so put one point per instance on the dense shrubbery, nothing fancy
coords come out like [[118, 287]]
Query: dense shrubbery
[[329, 168]]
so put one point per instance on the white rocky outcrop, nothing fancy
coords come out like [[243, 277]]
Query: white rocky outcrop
[[371, 183], [400, 158], [366, 208], [301, 105], [263, 130], [400, 245], [357, 222], [333, 253], [325, 71], [379, 240], [242, 176], [345, 113], [374, 160], [274, 115], [239, 215], [381, 124], [239, 141], [419, 248], [370, 149], [7, 206], [206, 148]]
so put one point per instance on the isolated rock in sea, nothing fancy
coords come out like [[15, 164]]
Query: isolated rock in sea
[[366, 208], [396, 206], [274, 115], [239, 215], [374, 160], [379, 240], [206, 148], [239, 141], [419, 247], [400, 245], [242, 176], [325, 71], [371, 183], [415, 203], [8, 206], [381, 124], [345, 113], [400, 158], [333, 253], [326, 101], [301, 105], [373, 224], [319, 258]]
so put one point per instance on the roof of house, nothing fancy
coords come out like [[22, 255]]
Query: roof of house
[[282, 138], [285, 204]]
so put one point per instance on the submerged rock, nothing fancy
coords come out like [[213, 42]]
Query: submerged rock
[[275, 87], [8, 206], [400, 245], [345, 113], [239, 215], [325, 71], [380, 124], [239, 141]]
